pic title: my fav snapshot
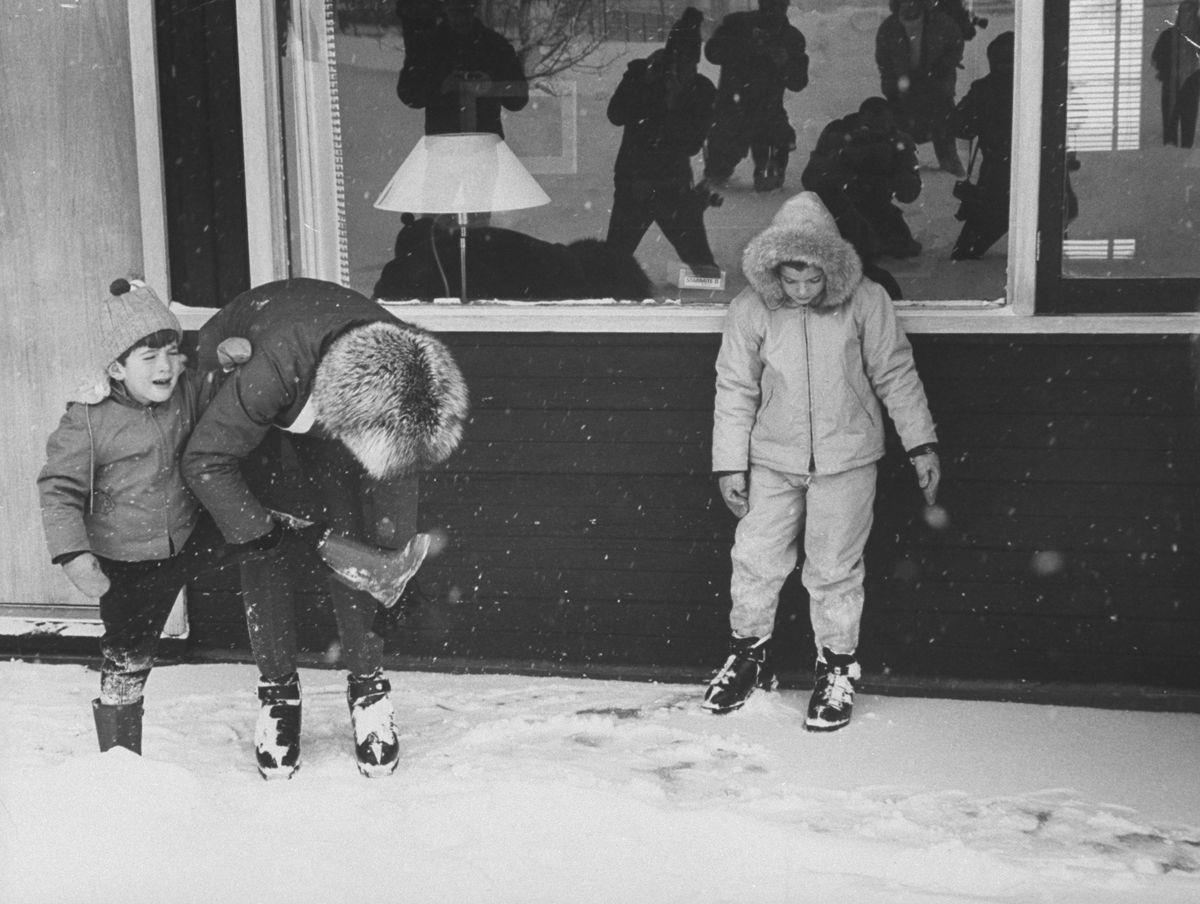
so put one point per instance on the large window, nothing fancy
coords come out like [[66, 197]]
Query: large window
[[1122, 85], [1102, 217], [565, 139]]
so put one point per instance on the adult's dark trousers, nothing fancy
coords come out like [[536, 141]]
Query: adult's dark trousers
[[332, 487], [762, 130], [986, 222], [928, 114], [1179, 109], [673, 205], [139, 601]]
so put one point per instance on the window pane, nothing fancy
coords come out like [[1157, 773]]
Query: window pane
[[1132, 179], [565, 139]]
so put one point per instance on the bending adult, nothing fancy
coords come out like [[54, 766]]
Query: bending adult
[[366, 397]]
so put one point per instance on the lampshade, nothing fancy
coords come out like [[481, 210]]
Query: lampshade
[[465, 172]]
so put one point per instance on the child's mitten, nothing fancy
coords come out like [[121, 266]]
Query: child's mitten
[[85, 573]]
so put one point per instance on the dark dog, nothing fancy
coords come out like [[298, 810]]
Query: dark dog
[[506, 265]]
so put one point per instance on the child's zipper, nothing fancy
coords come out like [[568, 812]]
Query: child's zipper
[[812, 443]]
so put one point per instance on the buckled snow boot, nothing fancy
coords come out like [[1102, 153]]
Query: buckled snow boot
[[832, 699], [118, 725], [277, 735], [745, 669], [376, 746]]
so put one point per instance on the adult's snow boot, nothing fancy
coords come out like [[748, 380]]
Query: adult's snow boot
[[118, 725], [277, 736], [832, 699], [376, 746], [745, 669]]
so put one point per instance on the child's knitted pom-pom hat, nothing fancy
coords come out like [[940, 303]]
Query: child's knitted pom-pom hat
[[130, 313]]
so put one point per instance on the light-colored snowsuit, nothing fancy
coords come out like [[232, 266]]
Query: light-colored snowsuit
[[798, 396]]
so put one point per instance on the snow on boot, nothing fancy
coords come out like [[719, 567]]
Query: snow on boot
[[832, 698], [277, 736], [383, 573], [118, 725], [744, 670], [376, 746]]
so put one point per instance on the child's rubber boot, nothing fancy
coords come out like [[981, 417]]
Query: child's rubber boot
[[118, 725]]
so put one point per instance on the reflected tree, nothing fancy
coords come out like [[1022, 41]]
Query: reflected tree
[[550, 36]]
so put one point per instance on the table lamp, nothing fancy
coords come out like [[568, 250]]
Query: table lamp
[[461, 173]]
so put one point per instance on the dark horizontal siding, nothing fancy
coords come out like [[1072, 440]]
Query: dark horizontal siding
[[585, 529]]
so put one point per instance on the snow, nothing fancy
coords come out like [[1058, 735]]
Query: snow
[[522, 789]]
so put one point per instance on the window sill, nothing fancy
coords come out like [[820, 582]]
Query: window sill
[[918, 317]]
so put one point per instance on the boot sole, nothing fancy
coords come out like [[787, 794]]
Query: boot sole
[[824, 726], [722, 710], [274, 775], [377, 771]]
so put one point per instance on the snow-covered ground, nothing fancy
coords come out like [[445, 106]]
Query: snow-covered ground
[[517, 789]]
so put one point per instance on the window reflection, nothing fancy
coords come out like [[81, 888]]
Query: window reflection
[[565, 138], [1133, 179]]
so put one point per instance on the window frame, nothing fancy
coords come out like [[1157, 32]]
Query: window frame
[[1056, 293], [1028, 306]]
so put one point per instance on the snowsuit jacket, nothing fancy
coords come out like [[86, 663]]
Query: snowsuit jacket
[[849, 158], [112, 485], [289, 323], [659, 141], [445, 52], [740, 46], [798, 388], [937, 70]]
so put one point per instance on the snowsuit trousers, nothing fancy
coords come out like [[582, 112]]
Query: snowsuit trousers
[[137, 605], [833, 513], [673, 205], [338, 487]]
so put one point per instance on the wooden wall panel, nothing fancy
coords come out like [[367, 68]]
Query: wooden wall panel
[[585, 529], [69, 224]]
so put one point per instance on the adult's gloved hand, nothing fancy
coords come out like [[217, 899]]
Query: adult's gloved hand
[[85, 573], [233, 351], [735, 493]]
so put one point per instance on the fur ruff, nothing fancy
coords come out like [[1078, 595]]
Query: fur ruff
[[393, 394], [802, 231]]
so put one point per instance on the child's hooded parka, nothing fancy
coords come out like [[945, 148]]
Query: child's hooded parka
[[798, 387]]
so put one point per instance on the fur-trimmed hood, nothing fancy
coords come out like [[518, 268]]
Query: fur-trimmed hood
[[393, 394], [802, 230]]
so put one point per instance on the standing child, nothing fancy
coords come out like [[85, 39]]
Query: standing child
[[117, 515], [808, 351]]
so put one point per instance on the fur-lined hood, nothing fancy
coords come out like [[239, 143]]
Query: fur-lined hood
[[393, 394], [802, 230]]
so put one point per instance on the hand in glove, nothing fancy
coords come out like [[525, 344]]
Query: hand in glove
[[929, 474], [233, 351], [85, 573], [734, 493]]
